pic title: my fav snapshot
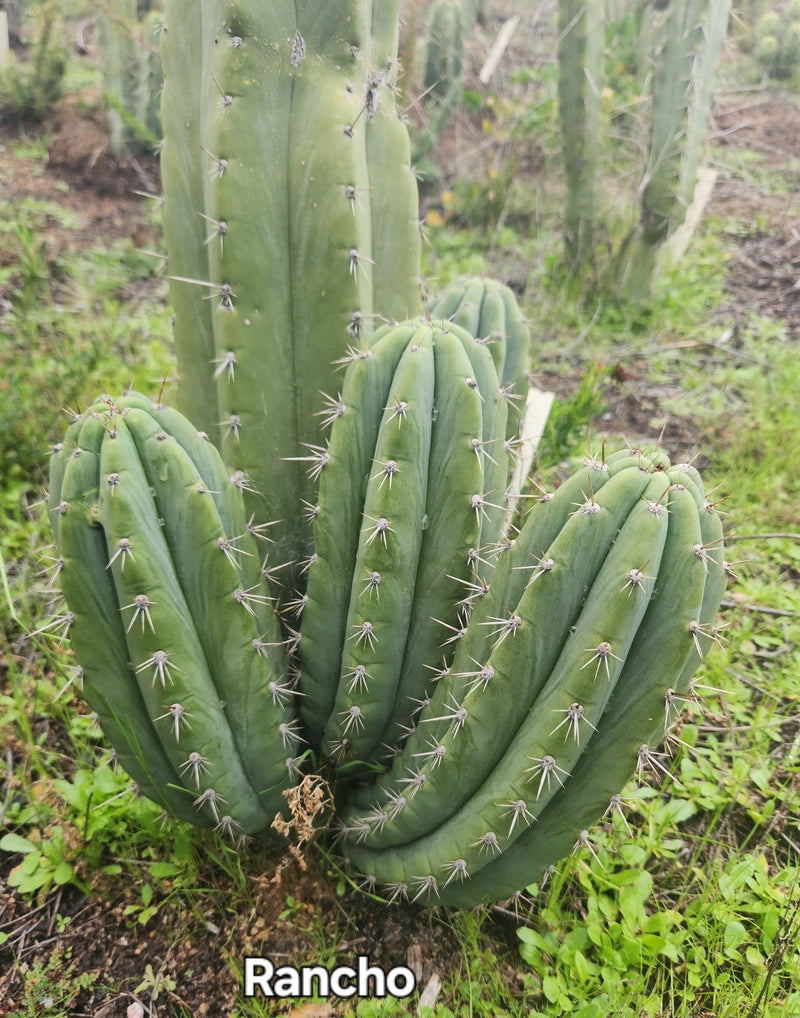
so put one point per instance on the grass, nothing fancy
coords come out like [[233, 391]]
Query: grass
[[685, 906]]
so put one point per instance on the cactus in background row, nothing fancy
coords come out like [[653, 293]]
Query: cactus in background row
[[580, 36], [563, 683], [684, 41], [686, 65], [489, 311], [449, 25], [294, 230], [169, 615], [777, 47], [131, 74]]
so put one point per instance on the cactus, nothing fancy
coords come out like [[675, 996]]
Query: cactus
[[686, 67], [444, 53], [683, 41], [169, 615], [131, 74], [571, 662], [451, 676], [489, 311], [777, 47], [412, 487], [294, 230], [441, 52], [477, 700], [579, 88]]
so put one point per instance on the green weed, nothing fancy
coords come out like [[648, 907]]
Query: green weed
[[70, 331], [28, 90], [52, 986]]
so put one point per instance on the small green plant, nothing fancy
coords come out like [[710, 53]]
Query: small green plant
[[571, 418], [53, 350], [45, 864], [777, 47], [156, 983], [52, 986], [29, 88]]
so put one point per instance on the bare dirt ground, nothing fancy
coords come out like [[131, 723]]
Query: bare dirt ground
[[191, 940], [764, 274]]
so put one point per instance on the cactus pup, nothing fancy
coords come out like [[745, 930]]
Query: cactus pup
[[585, 640], [170, 617], [411, 490]]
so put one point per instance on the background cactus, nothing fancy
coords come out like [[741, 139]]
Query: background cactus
[[444, 52], [777, 47], [448, 27], [131, 73], [691, 43], [295, 230], [169, 615], [673, 50], [580, 53]]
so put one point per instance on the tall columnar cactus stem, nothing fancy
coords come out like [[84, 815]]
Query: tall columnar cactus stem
[[188, 96], [489, 311], [691, 38], [170, 616], [450, 23], [299, 188], [580, 27], [131, 73], [704, 74], [622, 587], [410, 495], [444, 55]]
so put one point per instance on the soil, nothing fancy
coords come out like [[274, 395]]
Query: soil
[[764, 273], [194, 941]]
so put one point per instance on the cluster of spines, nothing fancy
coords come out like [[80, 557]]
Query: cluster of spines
[[470, 811], [295, 100], [170, 615]]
